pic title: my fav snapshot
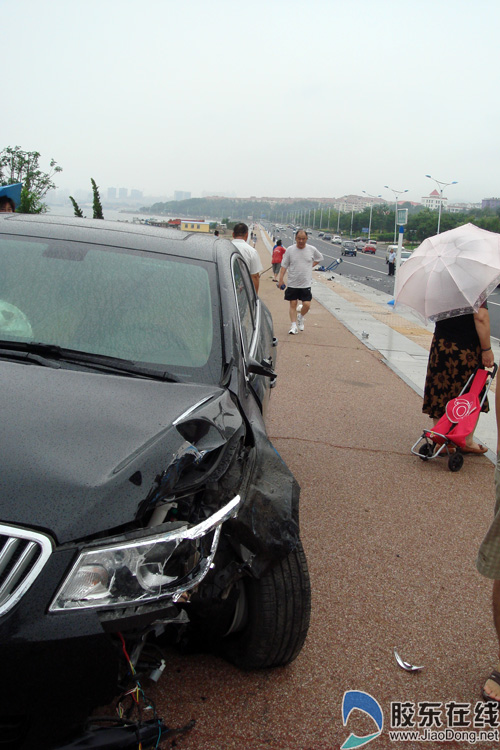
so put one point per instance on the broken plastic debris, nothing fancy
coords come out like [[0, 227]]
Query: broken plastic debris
[[404, 664]]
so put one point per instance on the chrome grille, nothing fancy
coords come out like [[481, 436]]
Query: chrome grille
[[22, 556]]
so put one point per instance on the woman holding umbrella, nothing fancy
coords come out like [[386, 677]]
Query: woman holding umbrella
[[447, 280], [459, 345]]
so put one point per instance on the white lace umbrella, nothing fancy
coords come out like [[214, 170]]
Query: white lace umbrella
[[449, 274]]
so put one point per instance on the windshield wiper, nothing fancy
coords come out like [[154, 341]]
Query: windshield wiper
[[51, 355], [21, 355]]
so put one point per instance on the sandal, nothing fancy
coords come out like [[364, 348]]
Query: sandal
[[480, 450]]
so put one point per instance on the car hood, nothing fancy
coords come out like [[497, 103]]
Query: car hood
[[81, 451]]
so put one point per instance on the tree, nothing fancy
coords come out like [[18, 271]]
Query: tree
[[78, 211], [97, 205], [17, 165]]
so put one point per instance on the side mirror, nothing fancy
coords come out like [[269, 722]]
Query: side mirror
[[263, 368]]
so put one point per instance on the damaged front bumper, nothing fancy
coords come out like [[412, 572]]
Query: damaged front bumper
[[224, 508]]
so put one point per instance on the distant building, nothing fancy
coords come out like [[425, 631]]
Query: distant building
[[464, 207], [123, 193], [192, 225], [136, 193], [490, 203], [111, 194], [457, 208], [433, 201], [349, 202], [181, 195], [367, 202]]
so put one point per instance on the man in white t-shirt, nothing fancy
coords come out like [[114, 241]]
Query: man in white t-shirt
[[299, 260], [392, 261], [250, 254]]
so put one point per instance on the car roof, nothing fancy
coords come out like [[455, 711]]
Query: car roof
[[116, 234]]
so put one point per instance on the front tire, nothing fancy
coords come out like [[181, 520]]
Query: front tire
[[425, 451], [278, 608], [455, 461]]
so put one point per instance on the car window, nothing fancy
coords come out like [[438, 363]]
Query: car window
[[139, 306], [245, 297]]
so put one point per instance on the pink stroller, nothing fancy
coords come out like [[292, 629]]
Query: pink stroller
[[458, 421]]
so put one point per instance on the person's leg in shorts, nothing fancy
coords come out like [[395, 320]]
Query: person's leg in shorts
[[292, 295], [305, 300], [276, 270]]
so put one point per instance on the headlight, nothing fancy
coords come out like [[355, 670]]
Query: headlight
[[136, 572]]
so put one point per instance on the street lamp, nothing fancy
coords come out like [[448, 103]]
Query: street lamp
[[397, 193], [444, 184], [371, 210]]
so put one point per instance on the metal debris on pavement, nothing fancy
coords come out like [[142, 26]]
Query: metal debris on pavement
[[404, 664]]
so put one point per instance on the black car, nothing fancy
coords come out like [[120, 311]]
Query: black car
[[348, 248], [141, 499]]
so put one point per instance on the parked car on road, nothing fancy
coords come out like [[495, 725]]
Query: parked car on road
[[141, 496], [348, 248], [337, 240], [369, 248]]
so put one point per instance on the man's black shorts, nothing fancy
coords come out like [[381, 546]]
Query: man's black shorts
[[304, 294]]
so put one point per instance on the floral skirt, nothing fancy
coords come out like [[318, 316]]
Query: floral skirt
[[449, 368]]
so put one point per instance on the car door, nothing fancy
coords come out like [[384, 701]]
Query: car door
[[256, 330]]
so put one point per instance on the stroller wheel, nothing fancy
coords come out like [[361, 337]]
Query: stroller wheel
[[425, 451], [455, 462]]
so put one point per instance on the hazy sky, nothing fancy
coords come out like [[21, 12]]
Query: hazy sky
[[264, 97]]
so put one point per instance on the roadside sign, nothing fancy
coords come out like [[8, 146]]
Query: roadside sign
[[402, 216]]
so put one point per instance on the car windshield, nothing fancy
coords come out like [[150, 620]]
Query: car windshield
[[405, 254], [148, 308]]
